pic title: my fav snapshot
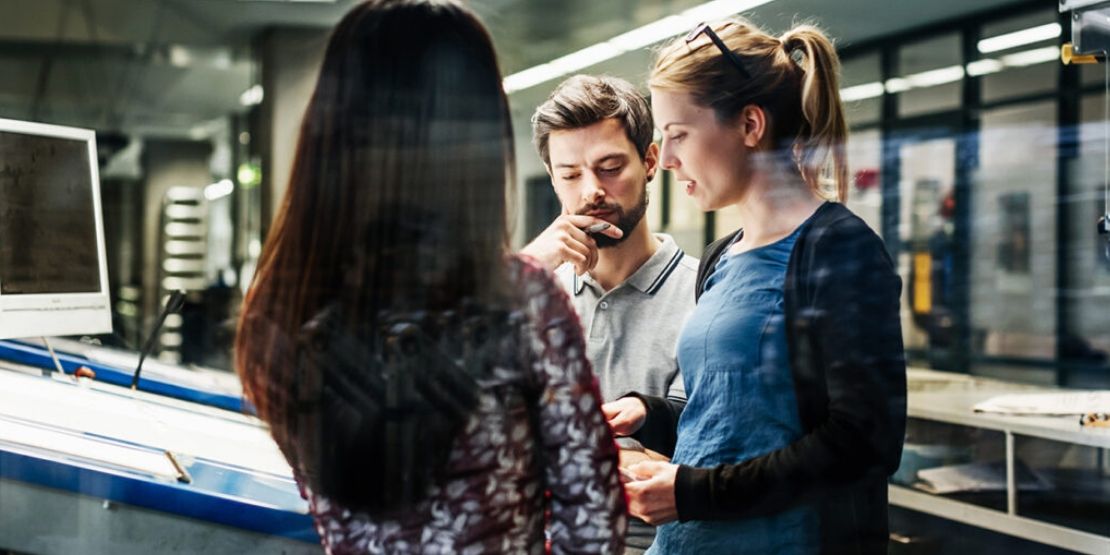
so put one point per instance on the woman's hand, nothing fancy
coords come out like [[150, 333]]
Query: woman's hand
[[625, 415], [651, 496]]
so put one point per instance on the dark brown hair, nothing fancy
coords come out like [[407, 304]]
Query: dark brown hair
[[397, 204], [583, 100], [794, 78]]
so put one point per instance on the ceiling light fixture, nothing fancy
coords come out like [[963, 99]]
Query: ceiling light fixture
[[1031, 57], [294, 1], [638, 38], [986, 66], [897, 85], [936, 77], [861, 92], [950, 74], [1018, 38]]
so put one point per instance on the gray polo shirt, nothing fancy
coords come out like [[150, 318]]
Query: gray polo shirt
[[632, 330]]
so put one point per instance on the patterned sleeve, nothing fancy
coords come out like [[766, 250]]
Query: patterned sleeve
[[588, 508]]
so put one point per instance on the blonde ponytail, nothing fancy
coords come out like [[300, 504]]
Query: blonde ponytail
[[795, 79], [824, 130]]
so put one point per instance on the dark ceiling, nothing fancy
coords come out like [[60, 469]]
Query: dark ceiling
[[166, 67]]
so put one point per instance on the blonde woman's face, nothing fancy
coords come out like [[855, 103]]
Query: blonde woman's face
[[708, 158]]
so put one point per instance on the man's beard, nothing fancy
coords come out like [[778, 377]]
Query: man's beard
[[626, 222]]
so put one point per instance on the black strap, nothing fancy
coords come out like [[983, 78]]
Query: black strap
[[709, 261]]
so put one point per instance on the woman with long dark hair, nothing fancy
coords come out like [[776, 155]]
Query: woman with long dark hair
[[430, 391]]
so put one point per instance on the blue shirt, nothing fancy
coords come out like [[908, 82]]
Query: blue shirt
[[741, 403]]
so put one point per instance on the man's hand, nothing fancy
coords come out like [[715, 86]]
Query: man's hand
[[651, 495], [566, 240], [625, 415]]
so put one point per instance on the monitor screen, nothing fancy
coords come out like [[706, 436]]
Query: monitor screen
[[53, 271], [48, 240]]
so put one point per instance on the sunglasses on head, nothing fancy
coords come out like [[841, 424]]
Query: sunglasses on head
[[708, 30]]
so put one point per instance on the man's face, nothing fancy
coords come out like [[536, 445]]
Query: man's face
[[597, 172]]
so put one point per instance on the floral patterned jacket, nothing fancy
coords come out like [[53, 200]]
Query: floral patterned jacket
[[520, 479]]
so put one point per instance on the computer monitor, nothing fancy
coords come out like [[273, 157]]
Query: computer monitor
[[53, 273]]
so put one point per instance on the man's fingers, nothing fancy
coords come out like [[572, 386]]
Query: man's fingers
[[612, 231], [580, 261], [576, 234], [569, 254], [585, 222], [583, 244], [582, 222], [591, 245], [576, 240]]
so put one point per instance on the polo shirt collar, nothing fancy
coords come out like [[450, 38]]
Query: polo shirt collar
[[651, 275]]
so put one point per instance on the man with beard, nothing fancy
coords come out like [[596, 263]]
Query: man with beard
[[632, 289]]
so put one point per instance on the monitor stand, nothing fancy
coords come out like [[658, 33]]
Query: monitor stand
[[54, 356]]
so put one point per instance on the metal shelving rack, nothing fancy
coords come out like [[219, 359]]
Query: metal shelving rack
[[949, 398]]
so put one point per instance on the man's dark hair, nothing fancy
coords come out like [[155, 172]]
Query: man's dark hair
[[584, 100]]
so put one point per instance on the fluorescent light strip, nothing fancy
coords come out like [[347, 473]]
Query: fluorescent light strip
[[1031, 57], [638, 38], [985, 66], [897, 85], [949, 74], [1018, 38], [936, 77], [672, 25], [584, 58], [861, 92], [527, 79], [719, 9], [649, 34]]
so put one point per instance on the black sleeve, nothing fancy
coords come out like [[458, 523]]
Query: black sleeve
[[857, 343], [660, 429]]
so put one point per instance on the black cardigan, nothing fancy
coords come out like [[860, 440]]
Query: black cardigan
[[841, 300]]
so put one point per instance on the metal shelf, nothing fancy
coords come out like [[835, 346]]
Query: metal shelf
[[1001, 522], [949, 398]]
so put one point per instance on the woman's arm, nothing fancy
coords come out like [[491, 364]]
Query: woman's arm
[[857, 341], [652, 421], [659, 430], [588, 509]]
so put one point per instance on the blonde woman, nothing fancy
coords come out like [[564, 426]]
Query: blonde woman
[[792, 359]]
